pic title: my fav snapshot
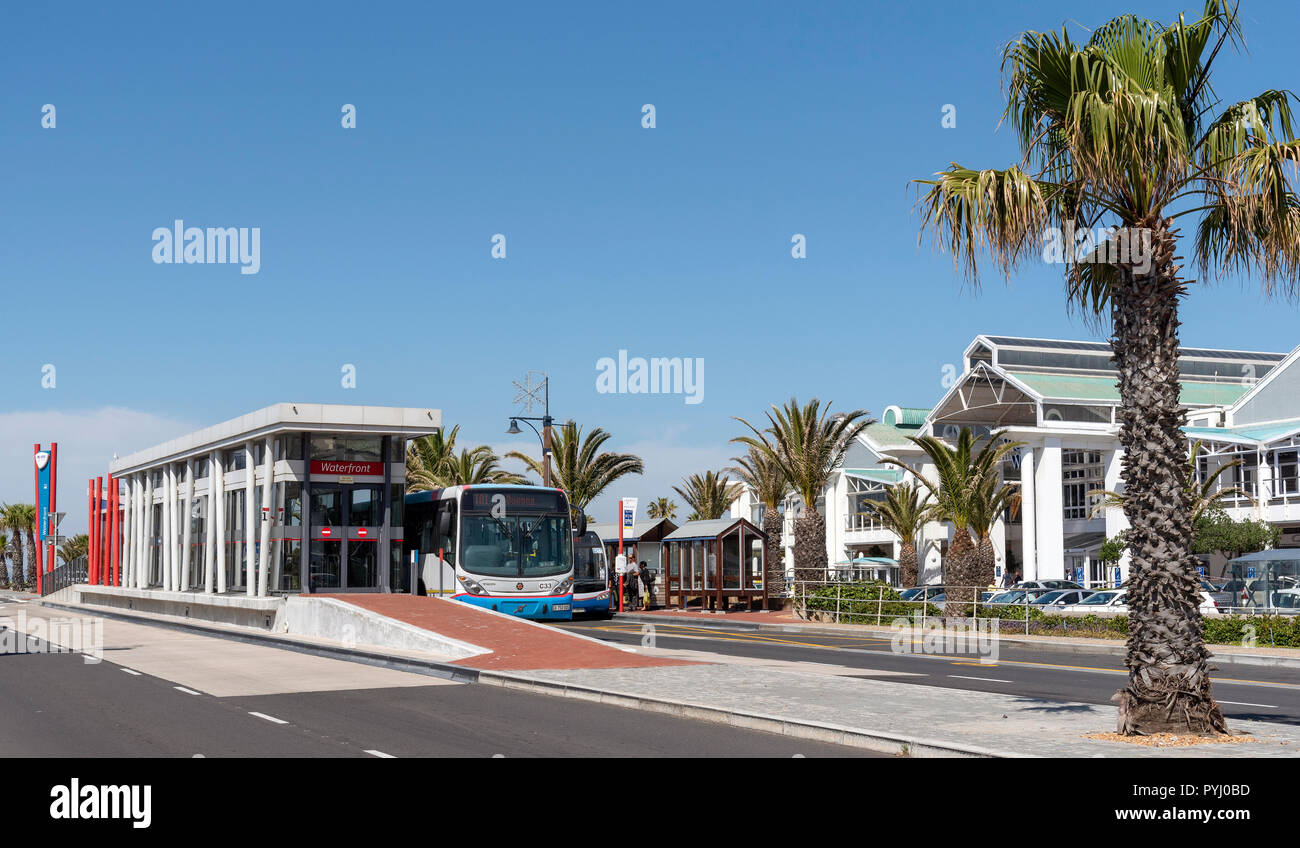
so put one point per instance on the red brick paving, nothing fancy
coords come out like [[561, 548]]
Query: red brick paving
[[516, 645]]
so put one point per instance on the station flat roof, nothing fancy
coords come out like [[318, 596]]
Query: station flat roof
[[286, 418]]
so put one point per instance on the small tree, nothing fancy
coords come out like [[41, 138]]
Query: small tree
[[1217, 533]]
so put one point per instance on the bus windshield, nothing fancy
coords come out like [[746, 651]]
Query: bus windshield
[[515, 545]]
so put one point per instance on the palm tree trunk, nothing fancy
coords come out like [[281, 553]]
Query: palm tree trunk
[[986, 560], [810, 547], [1169, 684], [773, 550], [4, 567], [907, 564], [32, 564], [16, 551], [961, 571]]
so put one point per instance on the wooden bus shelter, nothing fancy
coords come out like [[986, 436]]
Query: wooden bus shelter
[[711, 563]]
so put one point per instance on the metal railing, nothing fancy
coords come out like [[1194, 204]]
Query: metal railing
[[878, 605], [65, 575]]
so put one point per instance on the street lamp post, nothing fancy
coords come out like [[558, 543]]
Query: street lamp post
[[528, 395]]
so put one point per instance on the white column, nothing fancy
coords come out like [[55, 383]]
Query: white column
[[1050, 530], [1263, 484], [1028, 515], [137, 531], [146, 574], [264, 556], [1116, 521], [250, 532], [169, 529], [125, 495], [187, 522], [219, 494], [210, 527]]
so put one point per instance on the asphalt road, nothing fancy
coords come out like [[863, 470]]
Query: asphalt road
[[1245, 692], [56, 705]]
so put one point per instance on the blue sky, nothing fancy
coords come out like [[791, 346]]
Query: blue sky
[[520, 119]]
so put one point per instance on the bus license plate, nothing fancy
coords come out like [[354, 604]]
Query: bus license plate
[[561, 607]]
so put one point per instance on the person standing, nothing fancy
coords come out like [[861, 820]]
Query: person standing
[[648, 579], [632, 586]]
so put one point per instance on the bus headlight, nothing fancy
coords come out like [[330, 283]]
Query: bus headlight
[[472, 586], [564, 587]]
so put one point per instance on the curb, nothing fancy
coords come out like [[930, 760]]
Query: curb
[[878, 741], [1076, 646], [886, 743]]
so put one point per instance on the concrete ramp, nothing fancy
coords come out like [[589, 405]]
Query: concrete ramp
[[352, 625], [512, 644]]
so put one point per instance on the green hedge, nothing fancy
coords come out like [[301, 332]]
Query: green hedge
[[872, 603]]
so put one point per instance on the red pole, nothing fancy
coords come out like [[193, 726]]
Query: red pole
[[101, 566], [90, 530], [36, 477], [112, 535], [620, 553]]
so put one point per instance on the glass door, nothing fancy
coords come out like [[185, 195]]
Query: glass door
[[364, 518]]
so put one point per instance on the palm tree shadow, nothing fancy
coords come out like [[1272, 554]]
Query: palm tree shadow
[[1054, 707]]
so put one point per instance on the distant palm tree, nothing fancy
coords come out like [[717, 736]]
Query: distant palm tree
[[74, 548], [764, 477], [709, 494], [28, 519], [581, 468], [1202, 495], [428, 459], [903, 512], [956, 493], [808, 444], [662, 508], [479, 465], [13, 521]]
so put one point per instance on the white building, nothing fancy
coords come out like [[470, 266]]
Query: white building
[[1060, 398], [293, 497]]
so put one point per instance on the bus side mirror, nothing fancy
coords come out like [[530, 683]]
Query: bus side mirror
[[444, 523], [582, 525]]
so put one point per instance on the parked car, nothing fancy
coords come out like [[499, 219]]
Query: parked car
[[1017, 596], [1105, 602], [1047, 584], [1061, 597], [921, 593], [938, 600], [1114, 602], [1222, 597]]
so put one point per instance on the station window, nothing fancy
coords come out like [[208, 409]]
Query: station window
[[349, 448]]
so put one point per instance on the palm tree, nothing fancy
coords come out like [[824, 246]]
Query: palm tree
[[765, 479], [903, 512], [479, 465], [709, 494], [957, 497], [1202, 495], [1125, 130], [428, 459], [662, 508], [74, 548], [991, 499], [808, 444], [33, 563], [580, 467], [13, 520]]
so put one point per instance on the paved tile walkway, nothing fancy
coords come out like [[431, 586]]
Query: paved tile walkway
[[516, 644], [1008, 724]]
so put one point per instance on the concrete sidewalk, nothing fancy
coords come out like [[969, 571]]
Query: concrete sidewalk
[[1259, 655]]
